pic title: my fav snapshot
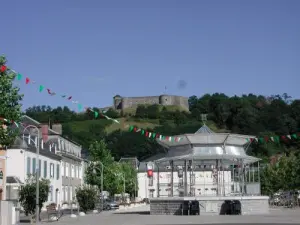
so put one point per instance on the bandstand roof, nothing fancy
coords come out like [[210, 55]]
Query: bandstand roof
[[207, 145], [205, 136]]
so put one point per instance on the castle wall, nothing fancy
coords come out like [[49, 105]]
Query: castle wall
[[135, 101], [128, 102], [174, 100]]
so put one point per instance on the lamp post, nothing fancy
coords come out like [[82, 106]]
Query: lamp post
[[37, 145], [102, 168]]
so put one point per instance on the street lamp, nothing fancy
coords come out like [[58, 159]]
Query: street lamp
[[37, 145], [102, 168]]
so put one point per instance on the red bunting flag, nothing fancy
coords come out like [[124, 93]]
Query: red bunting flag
[[3, 68], [70, 98], [49, 91], [27, 80]]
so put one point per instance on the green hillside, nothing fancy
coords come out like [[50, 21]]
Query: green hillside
[[248, 114]]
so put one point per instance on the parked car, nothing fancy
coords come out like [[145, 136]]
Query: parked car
[[110, 205], [289, 198], [146, 200]]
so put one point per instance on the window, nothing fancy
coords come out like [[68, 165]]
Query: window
[[193, 192], [28, 165], [57, 171], [75, 172], [151, 194], [150, 181], [169, 177], [45, 169], [63, 193], [62, 168], [51, 193], [67, 169], [51, 170], [42, 144], [33, 165], [71, 194], [40, 168], [72, 171], [80, 172], [193, 179]]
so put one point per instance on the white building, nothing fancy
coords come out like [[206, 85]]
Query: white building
[[22, 162], [203, 183], [60, 160]]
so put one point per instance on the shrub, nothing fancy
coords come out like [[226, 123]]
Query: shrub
[[27, 194], [86, 197]]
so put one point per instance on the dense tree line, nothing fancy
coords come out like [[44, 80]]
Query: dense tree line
[[247, 114]]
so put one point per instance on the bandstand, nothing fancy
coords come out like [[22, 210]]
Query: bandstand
[[210, 168]]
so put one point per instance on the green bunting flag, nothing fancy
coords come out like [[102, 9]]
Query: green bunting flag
[[19, 76], [274, 139], [96, 114], [152, 134], [41, 88]]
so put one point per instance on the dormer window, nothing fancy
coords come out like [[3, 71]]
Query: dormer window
[[42, 144]]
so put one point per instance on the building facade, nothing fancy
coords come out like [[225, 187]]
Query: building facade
[[60, 159], [203, 182]]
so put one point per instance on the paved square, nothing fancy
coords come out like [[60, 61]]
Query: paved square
[[140, 216]]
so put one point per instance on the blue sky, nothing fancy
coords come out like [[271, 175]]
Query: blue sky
[[93, 49]]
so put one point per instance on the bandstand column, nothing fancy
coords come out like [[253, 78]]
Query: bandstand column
[[218, 169], [172, 178], [185, 178]]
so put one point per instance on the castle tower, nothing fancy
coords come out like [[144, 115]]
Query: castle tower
[[117, 102]]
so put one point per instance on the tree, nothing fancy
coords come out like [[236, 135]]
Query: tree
[[86, 197], [98, 152], [27, 194], [10, 107], [130, 174]]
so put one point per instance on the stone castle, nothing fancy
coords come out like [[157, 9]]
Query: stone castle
[[121, 103]]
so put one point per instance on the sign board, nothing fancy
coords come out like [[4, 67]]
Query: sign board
[[150, 166]]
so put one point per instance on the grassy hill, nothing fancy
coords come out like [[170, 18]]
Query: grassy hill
[[109, 126], [80, 126], [169, 108]]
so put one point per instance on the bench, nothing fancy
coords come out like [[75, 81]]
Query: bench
[[53, 212]]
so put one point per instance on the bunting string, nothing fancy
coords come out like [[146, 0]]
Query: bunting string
[[275, 138], [153, 135], [80, 107]]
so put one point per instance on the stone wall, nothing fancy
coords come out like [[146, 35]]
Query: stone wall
[[129, 102], [250, 205]]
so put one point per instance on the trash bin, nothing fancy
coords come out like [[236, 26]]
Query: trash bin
[[185, 208], [195, 208], [236, 207]]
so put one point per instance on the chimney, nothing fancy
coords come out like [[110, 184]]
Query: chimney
[[44, 132], [57, 128]]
